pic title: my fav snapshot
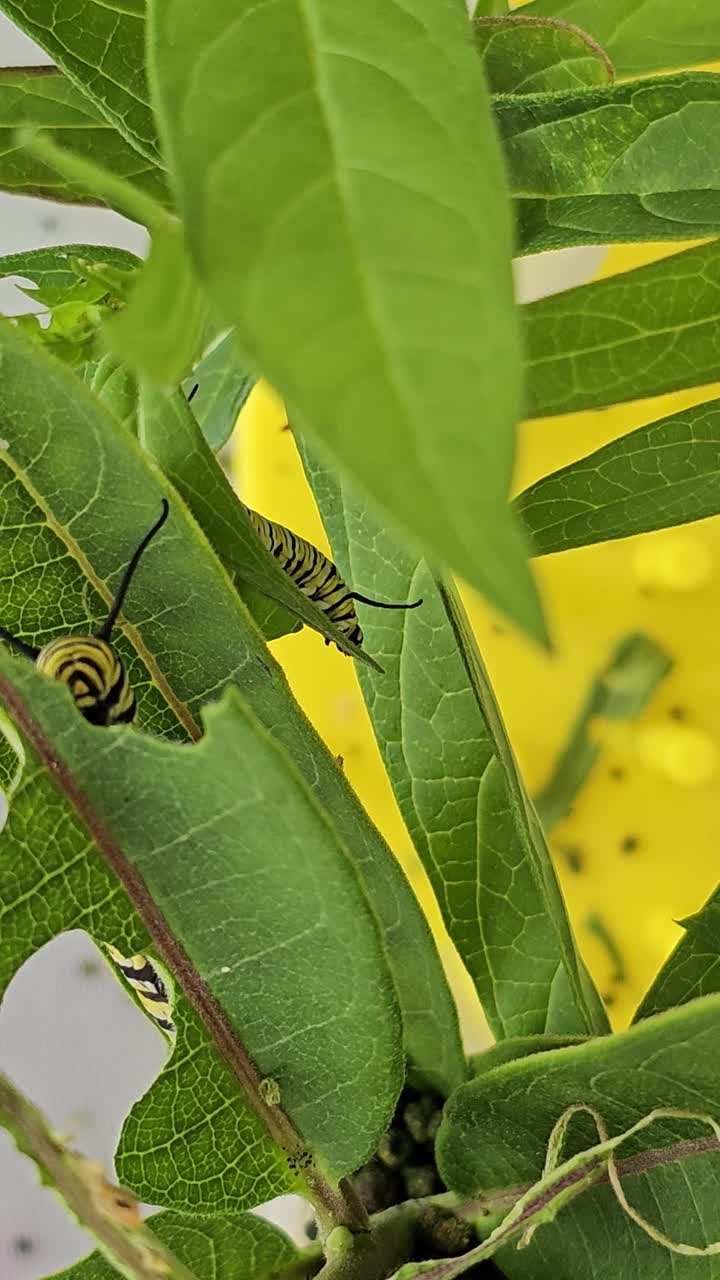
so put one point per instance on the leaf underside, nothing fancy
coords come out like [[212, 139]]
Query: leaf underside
[[495, 1132]]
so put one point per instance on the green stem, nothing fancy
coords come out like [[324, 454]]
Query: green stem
[[105, 1211], [116, 192], [620, 691], [379, 1252], [304, 1267]]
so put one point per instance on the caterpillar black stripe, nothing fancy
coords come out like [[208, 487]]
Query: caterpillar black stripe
[[317, 577], [147, 983], [89, 665]]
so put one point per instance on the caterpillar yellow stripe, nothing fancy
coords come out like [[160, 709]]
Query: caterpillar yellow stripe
[[89, 665], [149, 986], [316, 576], [94, 674]]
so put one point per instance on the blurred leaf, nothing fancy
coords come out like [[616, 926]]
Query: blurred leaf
[[640, 37], [76, 492], [241, 1247], [42, 97], [635, 334], [101, 49], [79, 285], [470, 819], [496, 1129], [223, 386], [151, 336], [117, 387], [170, 434], [537, 55], [620, 691], [300, 186], [242, 880], [68, 272], [661, 475], [72, 333], [634, 161], [160, 332], [693, 967]]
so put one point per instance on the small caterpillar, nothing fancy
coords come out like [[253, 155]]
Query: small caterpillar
[[146, 981], [316, 576], [89, 665]]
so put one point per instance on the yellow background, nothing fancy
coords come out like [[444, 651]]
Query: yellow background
[[657, 780]]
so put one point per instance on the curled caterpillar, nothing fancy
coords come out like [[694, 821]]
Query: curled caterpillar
[[147, 983], [317, 577]]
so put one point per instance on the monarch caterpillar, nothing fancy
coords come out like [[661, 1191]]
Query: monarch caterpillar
[[316, 576], [146, 981], [88, 665]]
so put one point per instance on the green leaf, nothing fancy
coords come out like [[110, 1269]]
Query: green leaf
[[496, 1129], [661, 475], [79, 285], [537, 55], [243, 881], [117, 387], [77, 485], [270, 617], [303, 185], [542, 225], [518, 1047], [636, 334], [564, 1179], [627, 162], [43, 98], [693, 967], [101, 49], [640, 37], [153, 337], [169, 432], [457, 783], [241, 1247], [223, 387], [67, 272]]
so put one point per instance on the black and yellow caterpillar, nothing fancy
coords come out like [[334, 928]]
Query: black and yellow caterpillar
[[145, 980], [88, 665], [316, 576]]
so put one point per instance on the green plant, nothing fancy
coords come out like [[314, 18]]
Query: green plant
[[332, 194]]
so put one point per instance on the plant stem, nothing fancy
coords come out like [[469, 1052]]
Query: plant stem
[[620, 691], [110, 1214]]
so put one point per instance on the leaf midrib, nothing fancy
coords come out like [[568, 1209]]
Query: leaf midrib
[[398, 381]]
